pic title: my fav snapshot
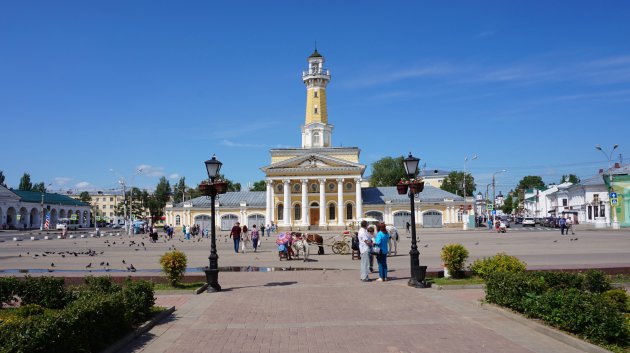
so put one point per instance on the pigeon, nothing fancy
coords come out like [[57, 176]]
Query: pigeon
[[477, 243], [426, 245], [28, 253], [64, 256], [124, 261], [107, 264], [555, 241], [133, 269], [52, 264], [20, 255], [102, 263], [89, 265], [142, 243]]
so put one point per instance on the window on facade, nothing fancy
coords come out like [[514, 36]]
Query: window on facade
[[111, 206], [177, 220], [602, 211], [297, 212], [595, 198], [349, 211], [590, 213], [279, 187], [565, 202], [316, 139], [314, 187], [315, 94], [104, 206], [111, 199], [280, 212], [331, 211], [348, 186], [296, 187], [111, 214], [315, 110], [331, 186]]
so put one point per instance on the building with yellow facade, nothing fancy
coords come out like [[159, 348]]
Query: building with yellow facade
[[318, 186]]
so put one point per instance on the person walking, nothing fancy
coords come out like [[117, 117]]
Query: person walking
[[408, 226], [235, 234], [245, 237], [365, 243], [371, 236], [188, 230], [380, 246], [563, 225], [569, 224], [268, 230], [262, 229], [393, 240], [254, 237]]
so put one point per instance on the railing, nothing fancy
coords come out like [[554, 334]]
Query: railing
[[324, 72]]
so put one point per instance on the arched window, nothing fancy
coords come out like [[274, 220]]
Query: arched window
[[177, 220], [331, 211], [316, 139], [297, 212], [349, 211], [280, 212]]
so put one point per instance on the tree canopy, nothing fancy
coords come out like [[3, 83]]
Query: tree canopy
[[387, 171], [25, 183], [2, 179], [454, 183], [39, 187], [260, 185], [508, 204], [84, 196], [571, 178], [530, 182]]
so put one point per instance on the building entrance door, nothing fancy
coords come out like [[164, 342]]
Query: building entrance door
[[314, 214]]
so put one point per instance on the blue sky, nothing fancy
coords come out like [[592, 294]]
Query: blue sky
[[91, 86]]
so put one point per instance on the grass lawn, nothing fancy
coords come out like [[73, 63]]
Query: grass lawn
[[181, 286]]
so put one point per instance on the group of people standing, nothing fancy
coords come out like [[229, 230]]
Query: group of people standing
[[371, 245], [243, 235]]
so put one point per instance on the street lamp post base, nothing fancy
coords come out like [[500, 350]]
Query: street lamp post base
[[212, 278], [615, 225]]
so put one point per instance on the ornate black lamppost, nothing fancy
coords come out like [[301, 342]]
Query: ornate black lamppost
[[212, 189], [417, 276]]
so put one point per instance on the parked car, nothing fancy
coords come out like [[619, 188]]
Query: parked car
[[528, 221], [519, 220], [506, 220]]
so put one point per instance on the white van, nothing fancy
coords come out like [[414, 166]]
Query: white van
[[67, 223]]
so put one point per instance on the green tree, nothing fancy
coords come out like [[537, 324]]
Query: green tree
[[387, 171], [25, 183], [571, 178], [260, 185], [179, 189], [530, 182], [162, 192], [39, 187], [454, 183], [2, 179], [84, 196], [508, 204], [232, 186]]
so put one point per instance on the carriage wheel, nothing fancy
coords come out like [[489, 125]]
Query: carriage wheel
[[337, 247], [344, 249]]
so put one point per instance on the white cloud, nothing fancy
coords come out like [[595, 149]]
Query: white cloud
[[151, 171], [61, 181], [83, 185], [174, 176]]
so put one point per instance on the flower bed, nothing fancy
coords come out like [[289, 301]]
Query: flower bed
[[84, 318]]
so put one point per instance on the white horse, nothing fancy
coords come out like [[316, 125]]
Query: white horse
[[393, 240], [300, 245]]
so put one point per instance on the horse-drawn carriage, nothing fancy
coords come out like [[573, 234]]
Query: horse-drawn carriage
[[294, 244]]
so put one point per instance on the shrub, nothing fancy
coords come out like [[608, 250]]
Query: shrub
[[454, 256], [174, 266], [9, 288], [29, 310], [513, 289], [101, 284], [48, 292], [596, 281], [500, 262], [618, 298], [138, 298], [560, 280]]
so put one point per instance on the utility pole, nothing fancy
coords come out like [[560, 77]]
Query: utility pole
[[465, 226], [493, 195]]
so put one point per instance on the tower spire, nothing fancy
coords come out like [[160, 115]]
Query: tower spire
[[316, 132]]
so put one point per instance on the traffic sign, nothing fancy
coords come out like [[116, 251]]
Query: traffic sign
[[613, 195], [490, 206], [494, 211], [613, 201]]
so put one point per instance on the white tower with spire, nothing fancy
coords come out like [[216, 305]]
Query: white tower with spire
[[316, 132]]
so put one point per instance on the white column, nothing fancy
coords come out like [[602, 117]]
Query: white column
[[359, 199], [322, 202], [287, 202], [273, 201], [305, 221], [453, 215], [447, 215], [268, 205], [340, 202]]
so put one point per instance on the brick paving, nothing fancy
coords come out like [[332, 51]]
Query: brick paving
[[332, 311]]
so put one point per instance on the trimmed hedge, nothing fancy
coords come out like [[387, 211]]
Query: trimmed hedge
[[96, 314], [570, 301], [501, 262]]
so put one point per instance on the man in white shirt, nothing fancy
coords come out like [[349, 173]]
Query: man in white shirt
[[393, 240], [364, 249]]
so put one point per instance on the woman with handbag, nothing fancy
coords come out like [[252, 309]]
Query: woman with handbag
[[381, 250], [254, 237], [245, 237]]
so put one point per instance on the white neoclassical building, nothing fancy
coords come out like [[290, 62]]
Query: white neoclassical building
[[27, 209], [318, 186]]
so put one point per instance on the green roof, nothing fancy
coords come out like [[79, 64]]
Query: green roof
[[315, 54], [49, 198]]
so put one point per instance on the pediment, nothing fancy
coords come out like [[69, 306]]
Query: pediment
[[312, 161]]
